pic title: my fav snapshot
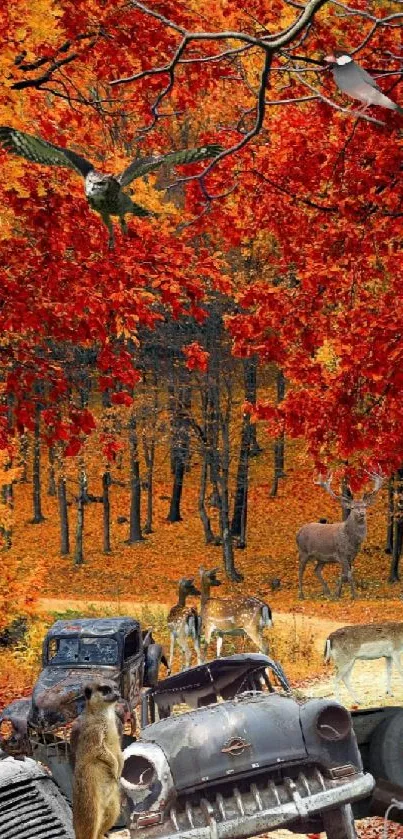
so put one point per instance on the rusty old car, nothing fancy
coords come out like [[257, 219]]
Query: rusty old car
[[74, 652], [241, 766]]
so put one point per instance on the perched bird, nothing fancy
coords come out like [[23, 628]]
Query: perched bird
[[357, 83], [104, 192]]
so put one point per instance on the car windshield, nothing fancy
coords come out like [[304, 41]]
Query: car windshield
[[84, 650]]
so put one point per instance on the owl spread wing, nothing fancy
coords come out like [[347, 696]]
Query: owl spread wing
[[139, 168], [137, 210], [40, 151]]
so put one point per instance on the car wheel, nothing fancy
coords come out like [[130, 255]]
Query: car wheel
[[386, 750], [339, 824]]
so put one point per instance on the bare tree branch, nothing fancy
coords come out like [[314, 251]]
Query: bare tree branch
[[267, 43]]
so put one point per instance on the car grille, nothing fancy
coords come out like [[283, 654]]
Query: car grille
[[29, 809], [54, 739], [261, 805]]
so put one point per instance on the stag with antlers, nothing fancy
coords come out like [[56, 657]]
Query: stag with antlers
[[339, 544]]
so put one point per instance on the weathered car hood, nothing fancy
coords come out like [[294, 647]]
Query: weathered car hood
[[229, 739], [222, 678], [58, 694]]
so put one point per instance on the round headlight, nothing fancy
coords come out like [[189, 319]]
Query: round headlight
[[333, 723], [146, 779]]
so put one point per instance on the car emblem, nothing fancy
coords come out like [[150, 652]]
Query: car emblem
[[235, 746]]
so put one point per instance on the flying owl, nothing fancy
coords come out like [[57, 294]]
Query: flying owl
[[104, 193]]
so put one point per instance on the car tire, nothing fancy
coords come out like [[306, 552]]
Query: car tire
[[339, 824], [386, 750]]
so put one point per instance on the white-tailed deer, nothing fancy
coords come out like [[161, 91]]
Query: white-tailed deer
[[339, 543], [366, 641], [183, 623], [238, 615]]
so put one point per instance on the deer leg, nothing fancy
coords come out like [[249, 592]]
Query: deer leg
[[346, 576], [396, 662], [303, 559], [196, 645], [207, 638], [388, 662], [318, 572], [349, 577], [171, 649], [344, 676], [256, 635], [186, 654], [219, 645]]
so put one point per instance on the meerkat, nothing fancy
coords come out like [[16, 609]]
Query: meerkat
[[98, 764]]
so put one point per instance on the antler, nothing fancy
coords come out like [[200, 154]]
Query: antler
[[378, 478], [326, 485]]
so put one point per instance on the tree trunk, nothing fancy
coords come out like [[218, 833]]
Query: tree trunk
[[251, 396], [36, 469], [238, 526], [394, 575], [7, 498], [171, 411], [64, 517], [226, 535], [149, 449], [106, 482], [135, 534], [149, 455], [279, 443], [81, 501], [218, 439], [208, 533], [390, 525], [179, 449], [24, 451], [52, 491], [174, 509]]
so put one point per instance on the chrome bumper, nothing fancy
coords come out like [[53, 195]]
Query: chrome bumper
[[259, 810]]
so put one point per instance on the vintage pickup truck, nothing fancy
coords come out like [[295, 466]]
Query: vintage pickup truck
[[75, 652]]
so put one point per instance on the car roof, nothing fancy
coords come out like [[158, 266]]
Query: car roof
[[93, 626]]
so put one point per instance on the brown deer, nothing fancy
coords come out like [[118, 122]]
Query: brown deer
[[183, 623], [237, 615], [339, 544], [366, 641]]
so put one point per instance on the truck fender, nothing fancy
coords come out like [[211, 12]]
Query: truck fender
[[152, 660]]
